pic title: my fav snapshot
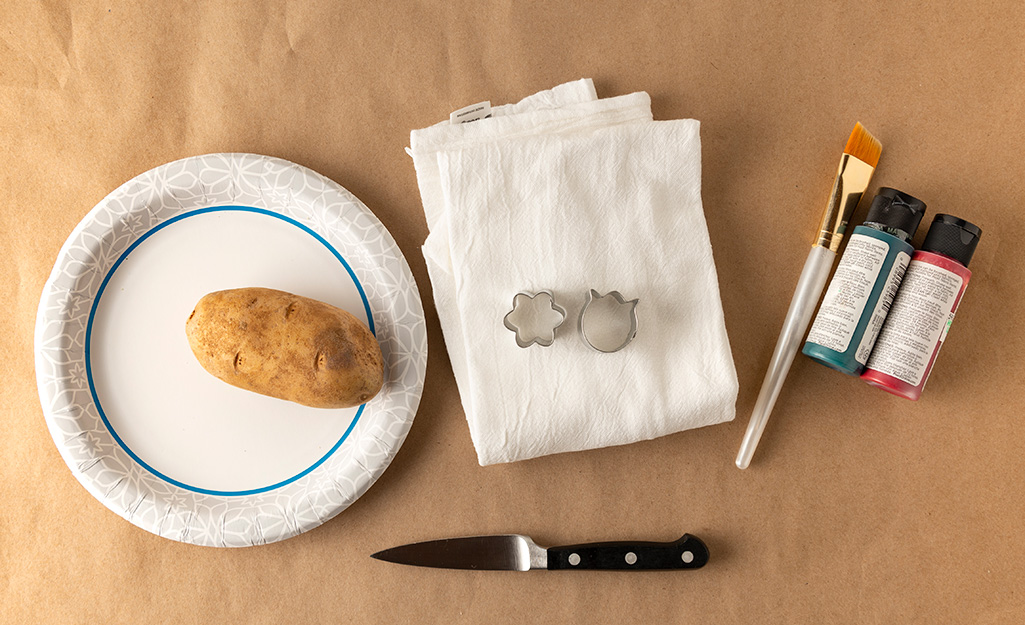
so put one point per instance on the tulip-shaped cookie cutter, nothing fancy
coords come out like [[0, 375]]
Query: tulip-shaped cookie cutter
[[525, 318], [593, 296]]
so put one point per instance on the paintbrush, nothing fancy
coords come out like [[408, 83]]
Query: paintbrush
[[859, 160]]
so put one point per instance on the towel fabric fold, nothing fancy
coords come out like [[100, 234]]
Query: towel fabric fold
[[567, 192]]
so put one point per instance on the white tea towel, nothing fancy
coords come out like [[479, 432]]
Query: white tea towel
[[572, 107], [571, 196], [424, 144]]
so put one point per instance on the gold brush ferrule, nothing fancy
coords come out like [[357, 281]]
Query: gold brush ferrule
[[851, 181]]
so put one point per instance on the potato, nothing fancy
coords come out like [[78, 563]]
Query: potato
[[286, 346]]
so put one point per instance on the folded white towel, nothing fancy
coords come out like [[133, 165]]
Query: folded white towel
[[566, 192]]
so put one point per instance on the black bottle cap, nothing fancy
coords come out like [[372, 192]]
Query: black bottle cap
[[895, 209], [953, 237]]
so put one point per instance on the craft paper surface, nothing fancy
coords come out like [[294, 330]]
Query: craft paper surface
[[859, 507]]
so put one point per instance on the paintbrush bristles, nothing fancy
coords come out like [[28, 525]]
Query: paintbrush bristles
[[863, 146]]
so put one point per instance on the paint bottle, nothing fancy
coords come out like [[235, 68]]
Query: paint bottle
[[924, 308], [865, 282]]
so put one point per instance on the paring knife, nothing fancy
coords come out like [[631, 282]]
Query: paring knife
[[514, 552]]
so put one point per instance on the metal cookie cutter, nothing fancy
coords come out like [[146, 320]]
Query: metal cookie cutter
[[602, 339], [534, 318]]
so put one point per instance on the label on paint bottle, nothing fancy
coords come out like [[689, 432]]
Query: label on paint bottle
[[848, 293], [946, 327], [917, 321], [875, 324]]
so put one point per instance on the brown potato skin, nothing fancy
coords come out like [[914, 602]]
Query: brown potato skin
[[286, 346]]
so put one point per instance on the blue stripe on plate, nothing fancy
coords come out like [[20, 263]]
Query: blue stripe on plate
[[88, 356]]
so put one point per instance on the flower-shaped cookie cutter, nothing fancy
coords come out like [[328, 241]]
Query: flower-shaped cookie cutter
[[599, 345], [532, 318]]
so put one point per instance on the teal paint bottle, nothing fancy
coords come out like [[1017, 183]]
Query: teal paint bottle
[[866, 280]]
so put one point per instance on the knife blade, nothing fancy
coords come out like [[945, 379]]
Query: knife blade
[[515, 552]]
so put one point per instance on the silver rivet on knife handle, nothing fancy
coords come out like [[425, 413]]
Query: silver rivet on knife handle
[[574, 559], [631, 558], [687, 557]]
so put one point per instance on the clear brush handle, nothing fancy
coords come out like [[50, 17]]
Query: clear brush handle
[[809, 289]]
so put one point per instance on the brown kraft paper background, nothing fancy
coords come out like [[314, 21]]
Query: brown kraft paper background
[[859, 507]]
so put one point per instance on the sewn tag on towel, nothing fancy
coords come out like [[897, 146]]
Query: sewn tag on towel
[[471, 113]]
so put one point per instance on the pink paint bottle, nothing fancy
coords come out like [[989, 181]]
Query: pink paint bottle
[[924, 308]]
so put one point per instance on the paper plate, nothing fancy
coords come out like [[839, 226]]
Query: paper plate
[[151, 434]]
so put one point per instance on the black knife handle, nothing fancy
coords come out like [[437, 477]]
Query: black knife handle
[[687, 553]]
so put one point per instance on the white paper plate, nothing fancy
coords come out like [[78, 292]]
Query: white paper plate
[[150, 433]]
